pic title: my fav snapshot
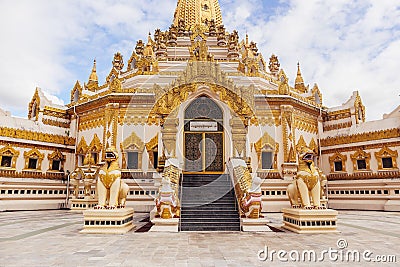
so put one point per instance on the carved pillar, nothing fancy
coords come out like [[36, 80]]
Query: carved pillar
[[169, 133], [289, 167], [239, 137], [111, 115]]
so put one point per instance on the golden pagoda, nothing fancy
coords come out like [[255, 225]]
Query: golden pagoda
[[200, 95]]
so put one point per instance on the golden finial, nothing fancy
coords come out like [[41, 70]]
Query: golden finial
[[93, 83], [93, 76], [148, 50], [299, 82]]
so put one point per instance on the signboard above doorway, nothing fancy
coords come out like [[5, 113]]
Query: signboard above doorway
[[203, 126]]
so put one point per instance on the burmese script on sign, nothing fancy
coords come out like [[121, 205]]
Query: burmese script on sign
[[203, 126]]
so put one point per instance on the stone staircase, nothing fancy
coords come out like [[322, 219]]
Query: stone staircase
[[208, 204]]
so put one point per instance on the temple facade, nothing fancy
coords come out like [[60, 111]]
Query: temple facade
[[199, 93]]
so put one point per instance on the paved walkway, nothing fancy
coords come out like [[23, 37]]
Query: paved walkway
[[52, 238]]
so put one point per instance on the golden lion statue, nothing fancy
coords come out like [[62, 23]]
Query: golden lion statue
[[111, 190], [305, 192]]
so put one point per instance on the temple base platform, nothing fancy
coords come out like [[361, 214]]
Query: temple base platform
[[116, 221], [83, 204], [310, 221]]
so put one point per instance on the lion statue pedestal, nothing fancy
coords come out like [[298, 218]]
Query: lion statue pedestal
[[309, 213], [248, 196], [84, 175], [109, 216], [166, 213]]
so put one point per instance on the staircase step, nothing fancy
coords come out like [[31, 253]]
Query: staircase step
[[222, 213], [212, 217], [212, 224], [208, 204], [214, 221], [211, 229]]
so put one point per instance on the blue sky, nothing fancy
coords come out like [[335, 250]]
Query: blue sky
[[341, 45]]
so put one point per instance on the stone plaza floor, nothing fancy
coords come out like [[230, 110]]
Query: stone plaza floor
[[52, 238]]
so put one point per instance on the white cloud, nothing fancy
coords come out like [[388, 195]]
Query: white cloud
[[342, 45], [51, 44]]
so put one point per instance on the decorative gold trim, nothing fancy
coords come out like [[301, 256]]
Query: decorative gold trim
[[111, 118], [386, 152], [365, 147], [362, 137], [315, 91], [34, 106], [267, 144], [32, 174], [77, 87], [60, 124], [82, 148], [152, 146], [55, 112], [56, 155], [132, 62], [132, 143], [299, 81], [337, 126], [338, 115], [40, 147], [266, 117], [274, 64], [199, 51], [304, 99], [359, 155], [33, 154], [112, 76], [363, 175], [9, 151], [337, 157], [313, 146], [35, 136], [306, 124], [301, 143], [191, 13], [288, 133], [239, 99], [95, 145], [91, 120], [360, 109]]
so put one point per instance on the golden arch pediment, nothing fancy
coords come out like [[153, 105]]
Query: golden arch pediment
[[9, 151], [82, 147], [133, 142], [172, 99], [239, 99], [95, 145]]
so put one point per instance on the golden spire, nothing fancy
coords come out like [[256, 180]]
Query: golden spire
[[197, 12], [299, 82], [93, 78], [148, 50], [149, 40]]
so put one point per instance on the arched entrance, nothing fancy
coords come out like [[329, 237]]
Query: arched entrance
[[203, 137]]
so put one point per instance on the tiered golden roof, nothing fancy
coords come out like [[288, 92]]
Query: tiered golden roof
[[197, 12]]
